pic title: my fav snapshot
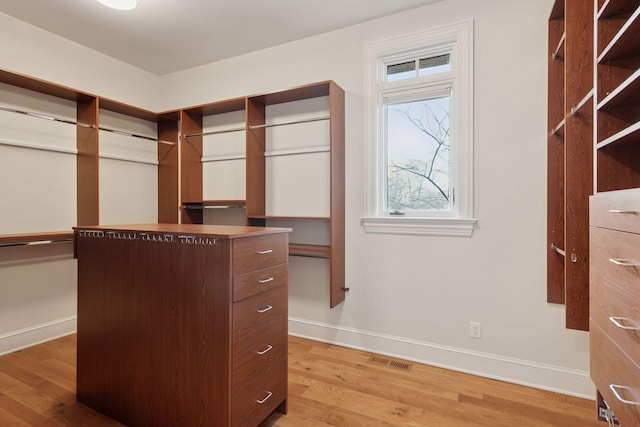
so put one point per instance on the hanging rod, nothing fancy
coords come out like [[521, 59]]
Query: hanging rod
[[557, 250], [34, 146], [36, 242], [44, 116], [554, 55], [215, 132], [295, 151], [71, 122], [318, 119], [557, 128], [128, 159], [134, 135], [583, 101], [212, 207], [223, 158]]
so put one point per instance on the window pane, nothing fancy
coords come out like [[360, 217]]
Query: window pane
[[435, 64], [404, 70], [418, 155]]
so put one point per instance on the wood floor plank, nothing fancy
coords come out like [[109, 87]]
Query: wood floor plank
[[328, 386]]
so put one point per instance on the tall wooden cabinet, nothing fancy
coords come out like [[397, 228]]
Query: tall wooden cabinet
[[182, 324], [594, 148]]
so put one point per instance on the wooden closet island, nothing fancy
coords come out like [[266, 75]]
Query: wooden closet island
[[182, 324]]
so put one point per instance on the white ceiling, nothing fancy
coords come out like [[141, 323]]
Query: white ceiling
[[164, 36]]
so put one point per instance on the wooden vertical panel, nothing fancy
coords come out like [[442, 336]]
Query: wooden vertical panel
[[256, 198], [337, 238], [555, 160], [168, 172], [191, 164], [578, 158], [87, 171]]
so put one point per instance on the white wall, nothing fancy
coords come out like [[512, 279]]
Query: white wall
[[412, 296]]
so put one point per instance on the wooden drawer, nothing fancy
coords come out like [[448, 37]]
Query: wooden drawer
[[260, 398], [618, 210], [259, 312], [258, 252], [615, 257], [258, 281], [256, 353], [616, 313], [610, 368]]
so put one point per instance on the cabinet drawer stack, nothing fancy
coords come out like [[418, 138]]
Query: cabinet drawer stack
[[183, 324], [615, 301], [260, 307]]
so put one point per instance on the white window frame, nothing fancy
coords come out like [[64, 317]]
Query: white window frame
[[456, 39]]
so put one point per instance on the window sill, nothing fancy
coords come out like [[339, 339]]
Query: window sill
[[457, 227]]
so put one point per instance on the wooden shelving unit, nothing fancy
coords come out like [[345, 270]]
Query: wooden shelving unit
[[256, 154], [192, 135], [88, 108], [570, 158], [257, 151], [600, 126], [185, 130]]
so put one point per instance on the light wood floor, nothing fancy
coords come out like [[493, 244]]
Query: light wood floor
[[328, 386]]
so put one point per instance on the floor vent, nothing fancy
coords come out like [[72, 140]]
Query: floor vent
[[378, 360]]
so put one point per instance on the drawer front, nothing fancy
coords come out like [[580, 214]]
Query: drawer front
[[619, 210], [254, 253], [612, 370], [617, 314], [260, 398], [259, 312], [615, 257], [255, 282], [256, 353]]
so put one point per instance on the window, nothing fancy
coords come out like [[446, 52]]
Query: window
[[419, 133]]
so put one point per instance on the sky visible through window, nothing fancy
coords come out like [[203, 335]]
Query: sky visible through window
[[418, 155]]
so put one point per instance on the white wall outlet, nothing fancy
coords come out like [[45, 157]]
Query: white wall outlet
[[475, 330]]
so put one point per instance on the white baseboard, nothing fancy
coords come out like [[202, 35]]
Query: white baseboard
[[524, 372], [36, 334]]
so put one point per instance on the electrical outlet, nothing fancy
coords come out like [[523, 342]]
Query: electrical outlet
[[475, 330]]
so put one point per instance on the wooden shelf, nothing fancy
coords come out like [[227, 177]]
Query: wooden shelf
[[624, 95], [35, 238], [312, 251], [281, 217], [626, 42], [614, 8], [629, 135], [230, 203]]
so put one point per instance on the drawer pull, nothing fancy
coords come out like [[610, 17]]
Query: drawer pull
[[268, 251], [266, 350], [623, 211], [618, 322], [614, 388], [624, 262], [264, 310], [267, 280], [269, 394]]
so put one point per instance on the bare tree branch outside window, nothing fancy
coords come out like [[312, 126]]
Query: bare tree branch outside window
[[418, 155]]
